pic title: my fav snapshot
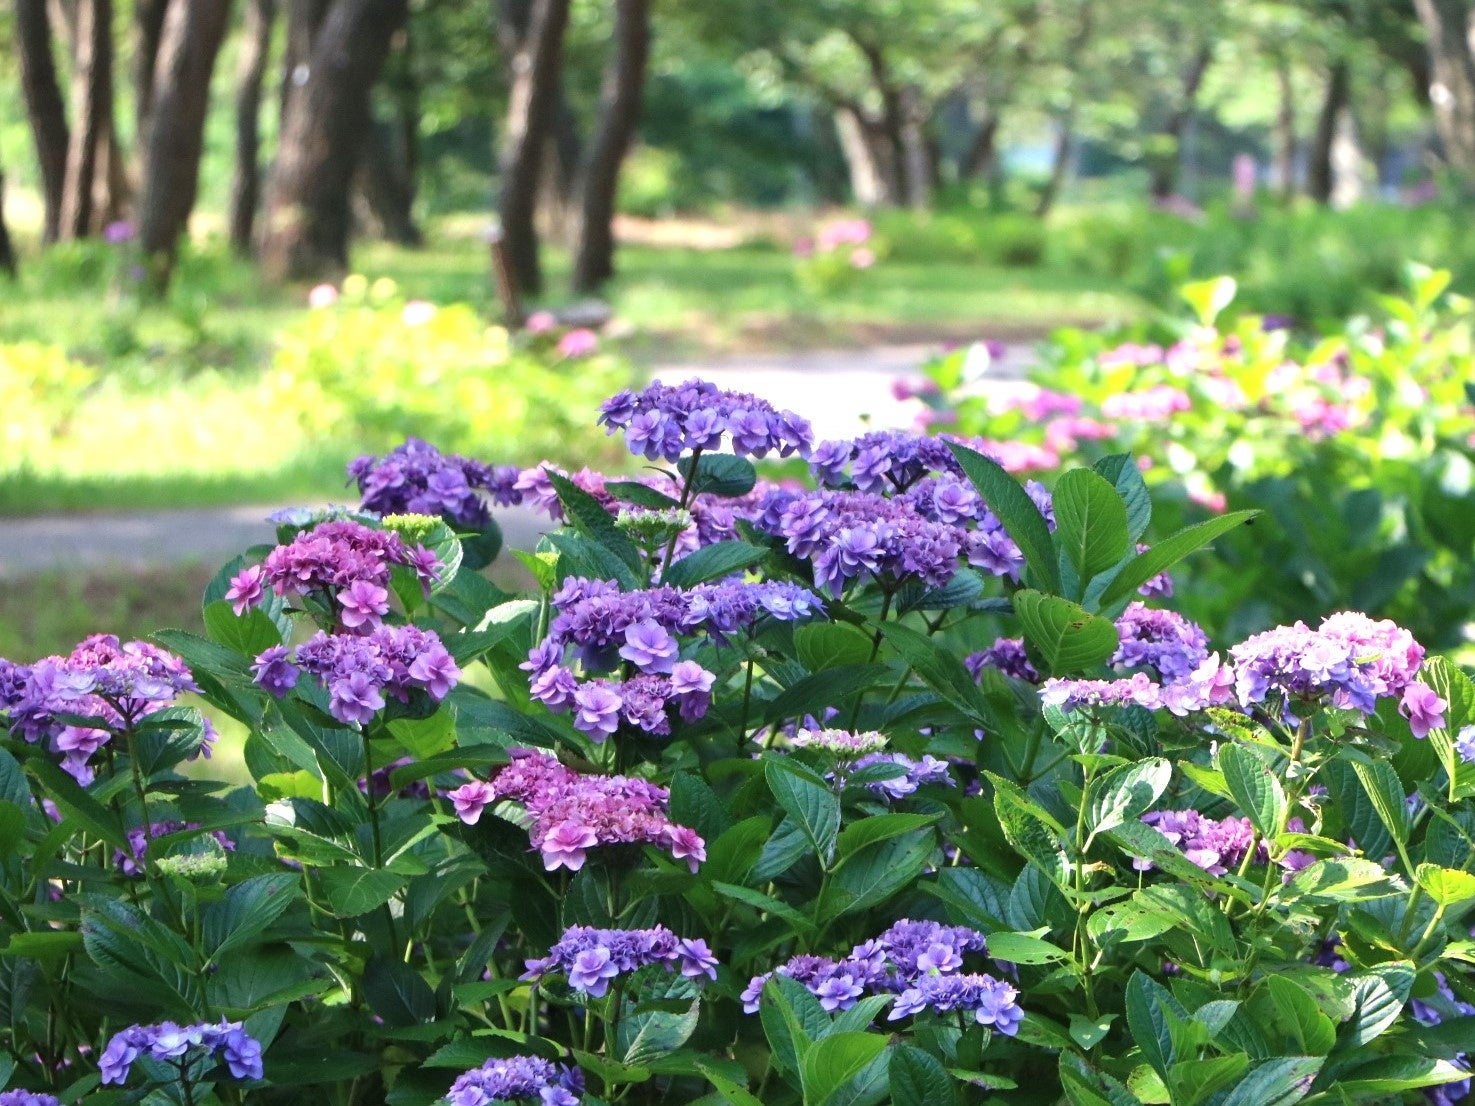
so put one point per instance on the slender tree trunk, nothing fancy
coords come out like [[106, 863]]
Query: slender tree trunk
[[307, 213], [1320, 177], [982, 157], [1164, 176], [44, 106], [1285, 132], [536, 73], [245, 186], [919, 168], [1065, 138], [886, 133], [7, 248], [148, 31], [188, 45], [1450, 28], [867, 182], [619, 115], [92, 99]]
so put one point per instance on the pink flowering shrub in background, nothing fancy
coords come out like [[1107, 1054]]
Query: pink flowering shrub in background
[[836, 255]]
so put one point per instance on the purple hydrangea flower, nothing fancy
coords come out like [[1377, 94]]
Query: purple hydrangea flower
[[416, 478], [569, 812], [516, 1079], [225, 1042], [663, 421], [591, 958]]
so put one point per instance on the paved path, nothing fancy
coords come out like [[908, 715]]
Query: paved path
[[843, 392]]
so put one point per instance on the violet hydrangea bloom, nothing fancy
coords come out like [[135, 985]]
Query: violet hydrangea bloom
[[918, 961], [1350, 661], [224, 1043], [131, 863], [663, 421], [1007, 655], [333, 561], [517, 1079], [1161, 640], [416, 478], [28, 1098], [1423, 709], [912, 774], [361, 673], [112, 684], [591, 958], [569, 813]]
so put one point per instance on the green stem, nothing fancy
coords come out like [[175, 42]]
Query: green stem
[[876, 639]]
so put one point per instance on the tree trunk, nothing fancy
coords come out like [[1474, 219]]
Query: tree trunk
[[886, 133], [536, 74], [1060, 160], [384, 186], [619, 115], [92, 101], [981, 160], [1450, 28], [148, 26], [1285, 132], [1164, 177], [188, 45], [304, 17], [7, 248], [919, 169], [383, 191], [245, 185], [44, 106], [1319, 175], [867, 182], [307, 216]]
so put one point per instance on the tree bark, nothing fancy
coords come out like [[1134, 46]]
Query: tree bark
[[385, 185], [886, 132], [619, 115], [867, 182], [88, 153], [245, 186], [981, 160], [188, 45], [1450, 28], [307, 214], [1285, 132], [919, 167], [7, 248], [304, 17], [1320, 177], [44, 107], [1065, 138], [1164, 176], [148, 27], [537, 65]]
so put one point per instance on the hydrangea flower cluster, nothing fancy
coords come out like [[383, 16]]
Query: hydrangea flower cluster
[[914, 773], [1007, 655], [360, 672], [1215, 845], [606, 628], [918, 961], [515, 1079], [881, 461], [1444, 1004], [131, 862], [115, 684], [569, 813], [855, 535], [416, 478], [225, 1043], [343, 564], [843, 745], [1161, 640], [591, 958], [28, 1098], [1350, 661], [663, 421]]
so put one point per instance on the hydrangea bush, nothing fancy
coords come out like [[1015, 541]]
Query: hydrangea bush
[[1357, 444], [908, 784]]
